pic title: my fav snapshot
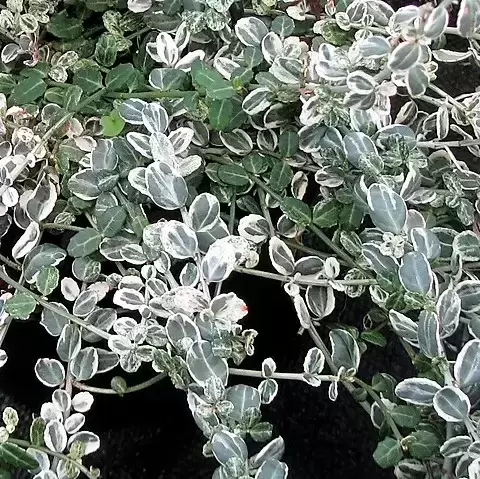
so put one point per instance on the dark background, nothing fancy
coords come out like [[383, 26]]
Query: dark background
[[151, 434]]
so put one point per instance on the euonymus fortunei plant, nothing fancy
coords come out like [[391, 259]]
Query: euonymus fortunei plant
[[152, 148]]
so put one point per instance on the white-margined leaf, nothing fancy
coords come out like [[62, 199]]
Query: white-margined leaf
[[361, 83], [417, 80], [228, 308], [420, 391], [452, 404], [374, 47], [70, 289], [320, 300], [140, 142], [273, 450], [448, 312], [404, 327], [218, 263], [257, 101], [345, 351], [443, 122], [204, 212], [74, 422], [469, 294], [50, 372], [107, 360], [237, 141], [358, 144], [55, 436], [287, 70], [167, 189], [85, 303], [128, 298], [84, 185], [254, 228], [415, 273], [202, 364], [281, 256], [155, 117], [268, 389], [455, 446], [436, 22], [429, 335], [162, 150], [41, 202], [85, 364], [449, 56], [380, 263], [467, 364], [272, 469], [183, 299], [181, 139], [166, 49], [131, 111], [226, 446], [52, 321], [69, 342], [104, 156], [90, 440], [250, 31], [426, 242], [178, 240], [314, 362], [467, 17], [388, 210], [272, 47], [302, 312], [404, 56], [243, 398], [182, 332], [29, 239]]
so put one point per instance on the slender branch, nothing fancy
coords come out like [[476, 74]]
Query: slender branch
[[46, 304], [266, 213], [451, 144], [58, 226], [150, 94], [131, 389], [288, 376], [302, 280], [381, 405], [59, 455], [328, 358], [311, 251], [10, 263]]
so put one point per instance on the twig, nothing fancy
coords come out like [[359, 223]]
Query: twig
[[131, 389]]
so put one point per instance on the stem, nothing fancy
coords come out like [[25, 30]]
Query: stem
[[328, 358], [138, 34], [10, 263], [451, 144], [448, 462], [46, 304], [59, 455], [57, 226], [381, 405], [311, 251], [231, 226], [150, 94], [444, 94], [290, 376], [304, 281], [266, 213], [131, 389]]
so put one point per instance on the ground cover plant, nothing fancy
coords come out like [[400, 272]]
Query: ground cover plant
[[151, 149]]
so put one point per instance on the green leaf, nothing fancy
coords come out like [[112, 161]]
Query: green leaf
[[72, 97], [374, 337], [85, 242], [89, 79], [280, 176], [297, 211], [325, 213], [117, 78], [17, 457], [37, 429], [106, 50], [110, 222], [288, 143], [7, 83], [205, 76], [63, 26], [233, 175], [388, 453], [47, 280], [27, 91], [406, 416], [5, 474], [112, 124], [241, 77], [20, 305], [351, 217], [220, 113], [424, 444], [255, 163], [283, 25], [221, 90], [55, 95]]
